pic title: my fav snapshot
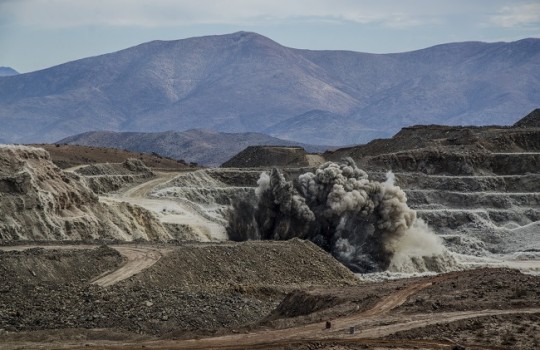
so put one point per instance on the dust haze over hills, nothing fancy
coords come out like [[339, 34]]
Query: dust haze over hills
[[246, 82], [200, 146]]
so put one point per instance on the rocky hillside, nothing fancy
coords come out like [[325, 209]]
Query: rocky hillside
[[203, 147], [39, 201], [246, 82], [448, 150], [476, 186]]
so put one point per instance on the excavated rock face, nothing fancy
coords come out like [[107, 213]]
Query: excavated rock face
[[110, 177], [39, 201], [129, 167], [452, 162], [451, 150]]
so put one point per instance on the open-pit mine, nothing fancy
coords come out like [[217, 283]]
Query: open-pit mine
[[428, 240]]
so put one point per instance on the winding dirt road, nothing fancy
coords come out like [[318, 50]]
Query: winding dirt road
[[142, 190], [138, 259], [172, 211]]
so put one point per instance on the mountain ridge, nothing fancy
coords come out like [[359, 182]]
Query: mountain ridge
[[245, 82], [200, 146]]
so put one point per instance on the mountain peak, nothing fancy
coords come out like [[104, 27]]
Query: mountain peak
[[531, 120], [7, 71], [245, 82]]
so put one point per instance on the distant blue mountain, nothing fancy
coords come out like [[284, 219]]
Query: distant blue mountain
[[7, 71], [246, 82]]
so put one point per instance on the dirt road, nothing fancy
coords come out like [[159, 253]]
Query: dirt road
[[142, 190], [138, 259], [171, 211]]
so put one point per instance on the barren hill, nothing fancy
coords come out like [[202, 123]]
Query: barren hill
[[192, 288], [244, 82]]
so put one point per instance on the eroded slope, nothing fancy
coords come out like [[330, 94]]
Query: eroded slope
[[39, 201]]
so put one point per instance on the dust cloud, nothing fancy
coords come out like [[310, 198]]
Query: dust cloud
[[365, 224]]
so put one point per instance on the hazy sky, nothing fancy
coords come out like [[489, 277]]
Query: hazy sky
[[36, 34]]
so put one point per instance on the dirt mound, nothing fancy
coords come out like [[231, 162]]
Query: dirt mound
[[454, 162], [441, 137], [453, 150], [247, 266], [39, 201], [47, 305], [531, 120], [437, 149], [266, 156]]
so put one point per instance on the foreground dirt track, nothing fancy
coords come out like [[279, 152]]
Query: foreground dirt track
[[369, 326], [401, 316]]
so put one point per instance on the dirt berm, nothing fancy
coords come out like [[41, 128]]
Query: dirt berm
[[248, 265]]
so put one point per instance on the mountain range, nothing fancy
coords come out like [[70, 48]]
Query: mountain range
[[245, 82], [204, 147]]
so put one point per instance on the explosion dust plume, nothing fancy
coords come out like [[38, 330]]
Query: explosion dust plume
[[361, 222]]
